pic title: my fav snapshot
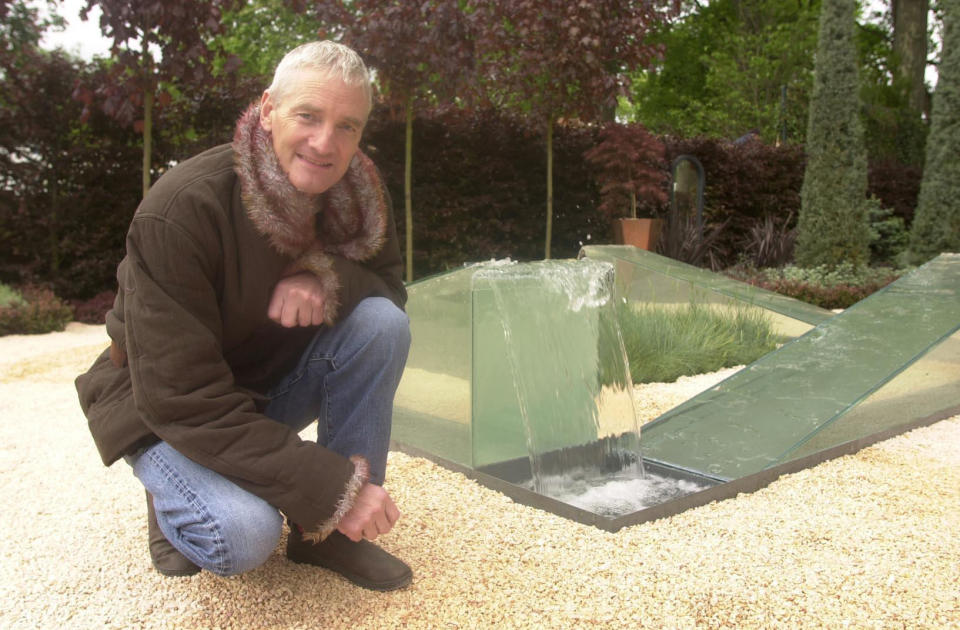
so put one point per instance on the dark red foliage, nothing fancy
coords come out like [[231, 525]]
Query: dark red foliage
[[745, 184], [896, 186], [749, 180], [417, 48], [41, 312], [629, 167], [479, 182], [560, 58], [179, 29], [838, 296], [755, 189], [95, 309], [69, 195]]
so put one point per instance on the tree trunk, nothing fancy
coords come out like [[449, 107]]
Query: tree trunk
[[910, 47], [407, 185], [147, 138], [147, 113], [53, 232], [546, 255]]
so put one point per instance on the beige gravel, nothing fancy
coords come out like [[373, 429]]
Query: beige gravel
[[865, 541]]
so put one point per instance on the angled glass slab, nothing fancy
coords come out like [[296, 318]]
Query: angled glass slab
[[928, 387], [832, 384], [646, 277]]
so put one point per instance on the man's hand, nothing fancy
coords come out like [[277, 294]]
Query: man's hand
[[297, 300], [373, 513]]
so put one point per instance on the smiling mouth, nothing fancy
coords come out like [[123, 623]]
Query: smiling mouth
[[316, 163]]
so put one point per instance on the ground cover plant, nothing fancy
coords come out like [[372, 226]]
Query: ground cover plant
[[34, 310], [664, 343], [835, 287]]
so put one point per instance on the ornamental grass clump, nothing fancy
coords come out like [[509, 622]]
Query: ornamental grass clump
[[664, 343]]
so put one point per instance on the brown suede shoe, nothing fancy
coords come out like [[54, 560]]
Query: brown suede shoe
[[166, 559], [363, 563]]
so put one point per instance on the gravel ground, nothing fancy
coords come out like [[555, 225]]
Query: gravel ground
[[865, 541]]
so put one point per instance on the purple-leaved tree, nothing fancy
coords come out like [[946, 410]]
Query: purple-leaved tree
[[561, 59], [158, 45], [422, 56]]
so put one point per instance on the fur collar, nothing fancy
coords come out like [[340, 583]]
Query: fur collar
[[348, 220]]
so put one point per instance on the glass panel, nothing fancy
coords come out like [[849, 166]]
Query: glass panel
[[759, 416], [432, 406], [647, 277], [538, 380], [928, 387]]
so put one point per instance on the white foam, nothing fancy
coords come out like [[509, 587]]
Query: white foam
[[623, 496]]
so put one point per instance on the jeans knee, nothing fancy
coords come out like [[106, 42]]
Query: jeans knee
[[388, 323], [249, 538]]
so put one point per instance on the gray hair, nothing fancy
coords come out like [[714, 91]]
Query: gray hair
[[328, 57]]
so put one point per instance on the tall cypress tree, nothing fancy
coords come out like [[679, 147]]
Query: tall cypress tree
[[936, 225], [833, 224]]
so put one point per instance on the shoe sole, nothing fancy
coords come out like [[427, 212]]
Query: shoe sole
[[382, 587], [177, 572]]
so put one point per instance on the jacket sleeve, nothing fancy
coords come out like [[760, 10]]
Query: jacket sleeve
[[184, 389]]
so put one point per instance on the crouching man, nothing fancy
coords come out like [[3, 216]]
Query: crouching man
[[261, 289]]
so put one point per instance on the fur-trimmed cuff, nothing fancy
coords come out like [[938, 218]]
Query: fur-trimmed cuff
[[321, 266], [361, 472]]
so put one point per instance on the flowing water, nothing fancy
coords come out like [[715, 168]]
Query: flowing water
[[570, 372]]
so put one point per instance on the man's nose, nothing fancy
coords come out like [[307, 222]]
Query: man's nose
[[321, 138]]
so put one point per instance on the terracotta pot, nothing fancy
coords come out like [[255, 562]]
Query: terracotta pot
[[642, 233]]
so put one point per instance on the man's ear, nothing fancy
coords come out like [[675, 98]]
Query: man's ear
[[266, 111]]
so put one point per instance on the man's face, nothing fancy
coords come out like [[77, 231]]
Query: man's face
[[316, 129]]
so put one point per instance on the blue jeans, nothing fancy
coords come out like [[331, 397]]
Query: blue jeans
[[346, 380]]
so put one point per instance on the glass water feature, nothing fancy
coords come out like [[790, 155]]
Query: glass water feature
[[565, 365], [517, 377], [518, 370]]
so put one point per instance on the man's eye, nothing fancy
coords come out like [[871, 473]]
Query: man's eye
[[305, 116]]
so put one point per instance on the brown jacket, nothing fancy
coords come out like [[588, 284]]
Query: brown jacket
[[194, 350]]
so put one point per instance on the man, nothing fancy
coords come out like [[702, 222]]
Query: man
[[261, 289]]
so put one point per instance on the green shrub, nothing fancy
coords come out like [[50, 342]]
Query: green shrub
[[833, 225], [37, 311], [10, 296], [665, 343], [827, 276], [936, 225], [888, 233]]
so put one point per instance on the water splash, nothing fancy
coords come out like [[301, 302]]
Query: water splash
[[619, 494]]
